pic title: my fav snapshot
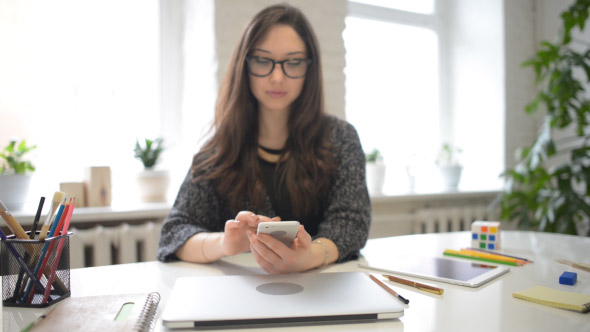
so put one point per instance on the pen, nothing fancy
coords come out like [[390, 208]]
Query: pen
[[420, 286], [389, 290], [37, 217]]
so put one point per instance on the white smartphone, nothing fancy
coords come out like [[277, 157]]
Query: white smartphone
[[284, 231]]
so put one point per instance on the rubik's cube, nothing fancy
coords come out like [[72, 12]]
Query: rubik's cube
[[485, 235]]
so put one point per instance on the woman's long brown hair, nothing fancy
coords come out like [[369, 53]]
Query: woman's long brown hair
[[230, 159]]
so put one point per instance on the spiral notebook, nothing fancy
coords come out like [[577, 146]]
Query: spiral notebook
[[128, 312]]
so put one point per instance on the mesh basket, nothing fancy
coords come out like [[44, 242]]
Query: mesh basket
[[35, 273]]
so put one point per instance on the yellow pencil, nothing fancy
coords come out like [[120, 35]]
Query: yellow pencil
[[14, 226], [494, 256]]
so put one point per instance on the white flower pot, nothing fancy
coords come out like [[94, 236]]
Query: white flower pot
[[375, 178], [14, 190], [451, 176], [153, 185]]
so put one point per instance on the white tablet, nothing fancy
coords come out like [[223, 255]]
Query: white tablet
[[457, 272]]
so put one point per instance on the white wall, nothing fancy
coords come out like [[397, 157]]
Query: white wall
[[327, 19], [476, 81]]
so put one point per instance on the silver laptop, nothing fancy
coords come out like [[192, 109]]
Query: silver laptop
[[209, 302]]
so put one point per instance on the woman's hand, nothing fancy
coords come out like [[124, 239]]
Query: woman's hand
[[275, 257], [235, 239]]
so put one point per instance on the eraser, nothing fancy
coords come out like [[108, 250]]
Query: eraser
[[568, 278]]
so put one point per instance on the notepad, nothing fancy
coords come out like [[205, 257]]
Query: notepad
[[555, 298], [127, 312]]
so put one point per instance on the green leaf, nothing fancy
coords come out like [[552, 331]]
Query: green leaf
[[13, 156]]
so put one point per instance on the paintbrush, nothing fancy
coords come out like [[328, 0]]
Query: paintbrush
[[58, 197]]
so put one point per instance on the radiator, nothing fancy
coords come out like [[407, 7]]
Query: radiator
[[448, 219], [114, 245], [137, 243]]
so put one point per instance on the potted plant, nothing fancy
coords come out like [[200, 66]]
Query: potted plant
[[375, 172], [15, 174], [549, 188], [449, 165], [153, 183]]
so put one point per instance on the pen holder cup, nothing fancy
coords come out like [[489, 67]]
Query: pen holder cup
[[29, 267]]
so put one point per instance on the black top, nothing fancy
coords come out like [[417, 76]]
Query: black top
[[280, 199], [346, 209]]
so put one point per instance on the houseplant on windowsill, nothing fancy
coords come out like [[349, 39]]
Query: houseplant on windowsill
[[449, 166], [153, 183], [375, 172], [15, 174]]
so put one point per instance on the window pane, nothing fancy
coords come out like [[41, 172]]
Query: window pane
[[84, 82], [416, 6], [392, 91]]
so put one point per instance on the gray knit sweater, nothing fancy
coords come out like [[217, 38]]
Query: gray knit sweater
[[346, 216]]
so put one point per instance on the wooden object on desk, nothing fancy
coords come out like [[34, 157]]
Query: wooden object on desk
[[74, 189], [98, 186]]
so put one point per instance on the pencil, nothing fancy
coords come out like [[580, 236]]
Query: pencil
[[492, 256], [420, 286], [456, 253], [389, 290], [14, 226]]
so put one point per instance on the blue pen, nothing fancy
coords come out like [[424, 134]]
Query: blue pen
[[20, 261], [44, 250]]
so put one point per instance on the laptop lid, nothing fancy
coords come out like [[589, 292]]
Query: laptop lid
[[259, 300]]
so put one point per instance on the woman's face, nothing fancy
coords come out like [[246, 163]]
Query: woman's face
[[276, 92]]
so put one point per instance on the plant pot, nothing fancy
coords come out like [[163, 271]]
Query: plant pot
[[375, 178], [451, 176], [14, 190], [153, 185]]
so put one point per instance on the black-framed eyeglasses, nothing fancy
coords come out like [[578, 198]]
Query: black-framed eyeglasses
[[292, 68]]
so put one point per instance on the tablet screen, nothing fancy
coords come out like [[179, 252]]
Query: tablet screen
[[458, 272], [446, 268]]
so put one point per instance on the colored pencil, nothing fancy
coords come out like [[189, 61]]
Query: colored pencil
[[493, 256], [46, 251], [456, 253], [502, 254], [62, 231]]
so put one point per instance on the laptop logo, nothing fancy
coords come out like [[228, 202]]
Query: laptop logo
[[279, 288]]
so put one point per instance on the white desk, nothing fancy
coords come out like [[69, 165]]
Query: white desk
[[490, 307]]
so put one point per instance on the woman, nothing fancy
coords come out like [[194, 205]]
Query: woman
[[275, 155]]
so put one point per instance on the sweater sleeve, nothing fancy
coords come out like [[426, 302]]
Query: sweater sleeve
[[196, 209], [347, 216]]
